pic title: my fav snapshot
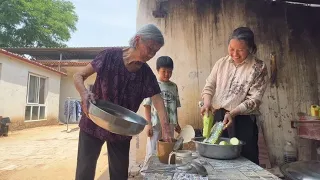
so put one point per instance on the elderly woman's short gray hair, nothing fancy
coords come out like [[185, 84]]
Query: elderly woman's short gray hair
[[148, 32]]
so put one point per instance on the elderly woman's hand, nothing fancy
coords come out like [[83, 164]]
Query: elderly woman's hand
[[166, 133], [163, 116], [86, 97]]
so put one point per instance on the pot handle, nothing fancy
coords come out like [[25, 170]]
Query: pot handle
[[170, 155], [194, 155]]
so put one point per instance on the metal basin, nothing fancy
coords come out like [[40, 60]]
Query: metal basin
[[215, 151], [115, 118], [301, 170]]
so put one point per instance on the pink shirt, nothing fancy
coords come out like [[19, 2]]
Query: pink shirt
[[237, 86]]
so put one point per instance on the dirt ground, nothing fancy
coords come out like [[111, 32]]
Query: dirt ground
[[44, 153]]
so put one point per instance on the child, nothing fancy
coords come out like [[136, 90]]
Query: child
[[169, 93]]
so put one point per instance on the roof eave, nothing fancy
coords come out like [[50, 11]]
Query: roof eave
[[9, 54]]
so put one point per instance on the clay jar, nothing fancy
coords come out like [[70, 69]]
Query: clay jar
[[164, 149]]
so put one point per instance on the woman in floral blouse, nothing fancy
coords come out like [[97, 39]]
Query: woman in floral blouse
[[123, 78], [234, 90]]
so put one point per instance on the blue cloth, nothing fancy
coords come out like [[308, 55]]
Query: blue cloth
[[78, 105], [74, 113]]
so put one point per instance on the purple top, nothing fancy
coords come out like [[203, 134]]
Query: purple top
[[119, 86]]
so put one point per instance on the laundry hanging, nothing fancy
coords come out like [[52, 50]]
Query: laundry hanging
[[72, 111]]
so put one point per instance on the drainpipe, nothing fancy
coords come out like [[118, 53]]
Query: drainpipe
[[60, 60]]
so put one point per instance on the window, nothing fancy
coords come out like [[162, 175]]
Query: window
[[35, 109]]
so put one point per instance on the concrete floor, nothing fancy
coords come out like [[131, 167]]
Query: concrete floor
[[48, 153]]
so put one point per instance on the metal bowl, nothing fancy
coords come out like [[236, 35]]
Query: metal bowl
[[216, 151], [301, 170], [115, 118]]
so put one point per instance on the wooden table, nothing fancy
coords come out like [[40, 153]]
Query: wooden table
[[237, 169]]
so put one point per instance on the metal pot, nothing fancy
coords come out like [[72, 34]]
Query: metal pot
[[300, 170], [216, 151], [115, 118]]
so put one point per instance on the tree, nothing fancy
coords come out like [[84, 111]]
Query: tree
[[36, 23]]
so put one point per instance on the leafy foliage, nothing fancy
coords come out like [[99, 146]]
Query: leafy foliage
[[36, 23]]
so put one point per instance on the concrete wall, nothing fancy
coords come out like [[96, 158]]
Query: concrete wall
[[13, 92], [67, 88], [196, 34]]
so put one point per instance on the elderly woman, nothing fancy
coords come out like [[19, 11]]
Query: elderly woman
[[123, 78], [234, 90]]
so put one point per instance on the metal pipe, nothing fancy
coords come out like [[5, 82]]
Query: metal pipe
[[304, 4], [60, 61]]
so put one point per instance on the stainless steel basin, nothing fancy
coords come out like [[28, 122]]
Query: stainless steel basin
[[301, 170], [216, 151], [115, 118]]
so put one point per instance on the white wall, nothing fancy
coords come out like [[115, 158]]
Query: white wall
[[13, 92], [68, 89]]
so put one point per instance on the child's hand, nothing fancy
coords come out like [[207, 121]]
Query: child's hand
[[149, 130], [178, 129]]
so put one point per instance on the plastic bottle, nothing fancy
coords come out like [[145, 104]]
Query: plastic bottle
[[215, 133], [314, 110], [290, 153]]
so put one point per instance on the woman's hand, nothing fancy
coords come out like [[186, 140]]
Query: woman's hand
[[163, 116], [207, 109], [207, 105], [86, 97], [228, 120], [79, 78], [166, 133]]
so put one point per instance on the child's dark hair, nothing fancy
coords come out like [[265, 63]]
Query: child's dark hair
[[164, 62]]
